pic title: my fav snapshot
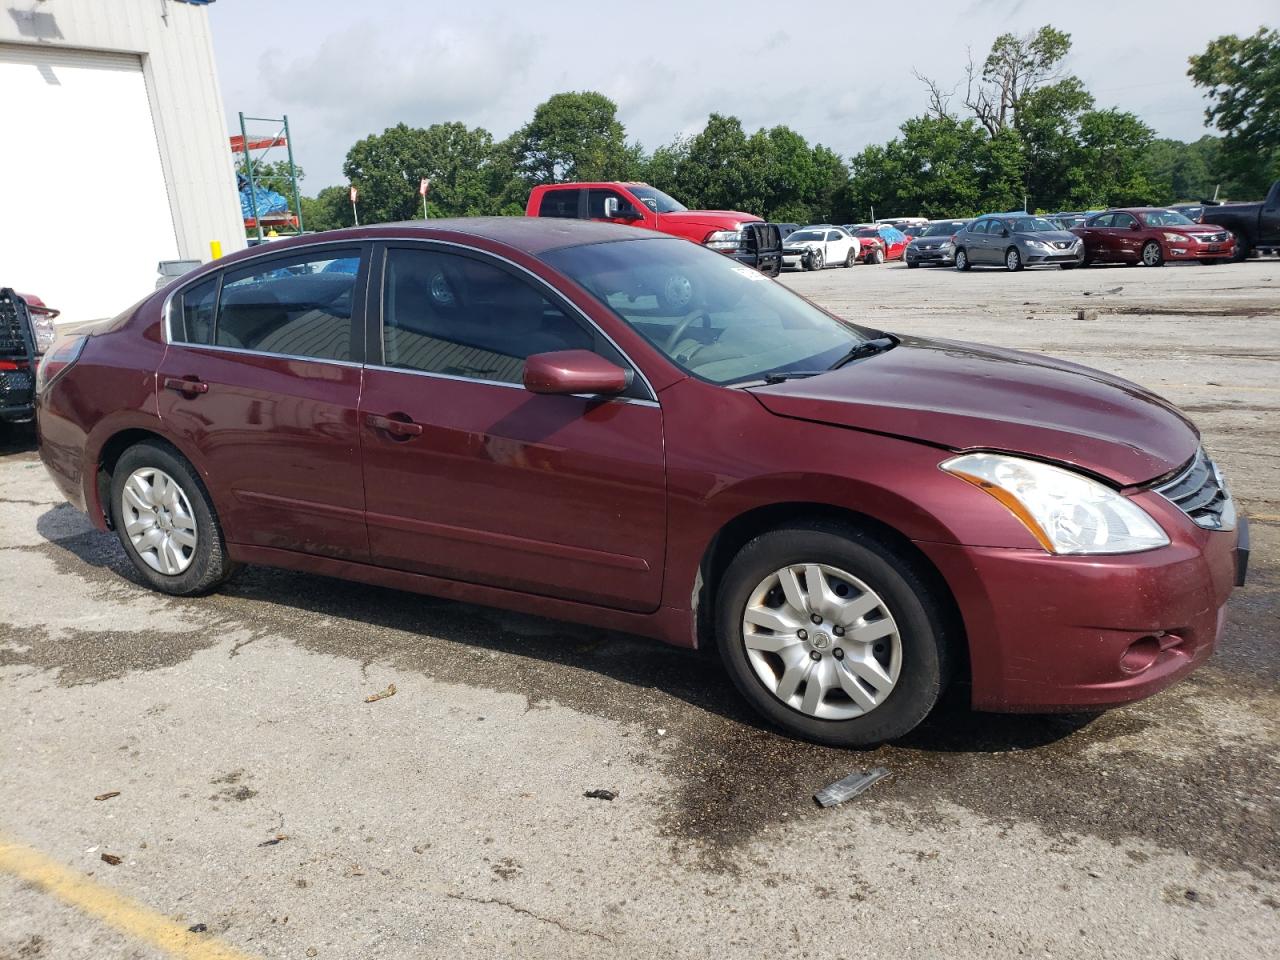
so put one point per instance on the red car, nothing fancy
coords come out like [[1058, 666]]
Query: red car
[[502, 411], [1152, 236], [881, 243]]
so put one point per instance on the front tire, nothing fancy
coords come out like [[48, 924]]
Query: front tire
[[1012, 260], [832, 635], [1152, 255], [962, 259], [876, 256], [166, 522]]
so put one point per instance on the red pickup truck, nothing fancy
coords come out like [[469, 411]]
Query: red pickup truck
[[743, 236]]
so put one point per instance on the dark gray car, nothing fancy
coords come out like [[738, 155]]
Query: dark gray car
[[1014, 241], [933, 245]]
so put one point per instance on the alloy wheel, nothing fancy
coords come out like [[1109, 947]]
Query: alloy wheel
[[822, 641], [159, 521], [1012, 260], [1151, 254]]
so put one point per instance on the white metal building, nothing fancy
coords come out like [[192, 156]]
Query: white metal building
[[113, 149]]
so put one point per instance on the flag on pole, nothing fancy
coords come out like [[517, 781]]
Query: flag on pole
[[424, 186]]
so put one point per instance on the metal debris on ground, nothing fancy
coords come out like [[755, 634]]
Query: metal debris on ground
[[382, 695], [849, 787], [112, 859], [274, 840], [198, 928], [601, 794], [108, 795]]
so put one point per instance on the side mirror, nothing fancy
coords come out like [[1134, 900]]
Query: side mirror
[[573, 371], [1004, 232], [1135, 226], [613, 210]]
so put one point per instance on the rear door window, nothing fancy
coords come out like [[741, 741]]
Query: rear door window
[[299, 306], [196, 308], [560, 203]]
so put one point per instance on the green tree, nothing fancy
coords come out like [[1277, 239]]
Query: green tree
[[1014, 69], [574, 136], [1048, 122], [461, 163], [1112, 166], [1241, 77], [327, 210], [1185, 171]]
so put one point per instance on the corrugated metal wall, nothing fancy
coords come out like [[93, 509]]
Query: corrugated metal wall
[[176, 47]]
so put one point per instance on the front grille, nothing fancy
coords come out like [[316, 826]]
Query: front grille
[[1063, 244], [1198, 491], [13, 318], [1214, 237]]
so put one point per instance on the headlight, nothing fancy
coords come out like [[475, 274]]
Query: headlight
[[1067, 512], [1176, 238], [723, 240], [44, 330]]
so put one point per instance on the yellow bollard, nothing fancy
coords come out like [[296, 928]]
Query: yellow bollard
[[215, 249]]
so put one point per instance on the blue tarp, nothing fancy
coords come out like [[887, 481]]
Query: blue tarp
[[268, 200]]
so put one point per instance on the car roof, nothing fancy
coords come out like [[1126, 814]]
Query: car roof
[[531, 235]]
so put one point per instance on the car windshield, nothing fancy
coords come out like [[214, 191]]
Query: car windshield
[[713, 317], [655, 200], [801, 235], [868, 232], [943, 229], [1166, 218], [1032, 225]]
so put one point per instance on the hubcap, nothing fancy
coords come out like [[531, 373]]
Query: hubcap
[[1012, 260], [961, 259], [159, 521], [679, 290], [1151, 254], [822, 641]]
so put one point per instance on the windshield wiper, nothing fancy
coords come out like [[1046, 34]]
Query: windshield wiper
[[867, 348], [781, 376]]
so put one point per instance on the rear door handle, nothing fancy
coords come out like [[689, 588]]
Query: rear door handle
[[185, 386], [403, 429]]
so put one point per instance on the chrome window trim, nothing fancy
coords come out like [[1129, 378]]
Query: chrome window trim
[[503, 383], [167, 308], [216, 348]]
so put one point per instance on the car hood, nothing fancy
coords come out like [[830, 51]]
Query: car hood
[[711, 219], [1195, 229], [964, 396], [800, 244], [1050, 236]]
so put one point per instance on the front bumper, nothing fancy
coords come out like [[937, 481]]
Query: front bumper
[[17, 396], [1076, 255], [1054, 633], [943, 255], [1199, 251]]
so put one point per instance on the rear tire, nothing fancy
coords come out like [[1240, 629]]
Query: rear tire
[[158, 506], [911, 649], [851, 258], [1241, 253], [962, 259]]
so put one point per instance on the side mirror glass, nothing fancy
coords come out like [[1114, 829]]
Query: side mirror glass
[[573, 371], [1135, 226], [610, 208]]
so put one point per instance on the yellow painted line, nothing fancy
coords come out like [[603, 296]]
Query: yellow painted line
[[127, 916]]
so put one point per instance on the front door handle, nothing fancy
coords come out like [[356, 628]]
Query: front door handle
[[184, 386], [401, 429]]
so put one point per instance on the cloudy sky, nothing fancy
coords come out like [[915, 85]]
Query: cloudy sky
[[839, 73]]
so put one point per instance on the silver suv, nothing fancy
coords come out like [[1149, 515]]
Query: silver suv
[[1014, 241]]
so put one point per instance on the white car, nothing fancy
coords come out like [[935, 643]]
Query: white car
[[816, 247]]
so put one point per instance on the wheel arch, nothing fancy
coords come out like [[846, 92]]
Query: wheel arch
[[99, 485], [725, 544]]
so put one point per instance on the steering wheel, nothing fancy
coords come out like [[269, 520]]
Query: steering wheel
[[681, 327]]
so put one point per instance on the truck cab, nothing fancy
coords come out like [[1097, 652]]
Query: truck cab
[[1255, 226], [742, 236]]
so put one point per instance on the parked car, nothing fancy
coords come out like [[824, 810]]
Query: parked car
[[26, 332], [167, 270], [503, 411], [912, 230], [1015, 241], [1151, 236], [881, 243], [814, 248], [1069, 219], [1192, 211], [742, 236], [935, 245], [1253, 226]]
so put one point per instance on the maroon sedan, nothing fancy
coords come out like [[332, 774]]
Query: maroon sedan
[[1152, 236], [510, 412]]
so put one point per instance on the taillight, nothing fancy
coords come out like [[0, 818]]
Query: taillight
[[58, 360], [43, 328]]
